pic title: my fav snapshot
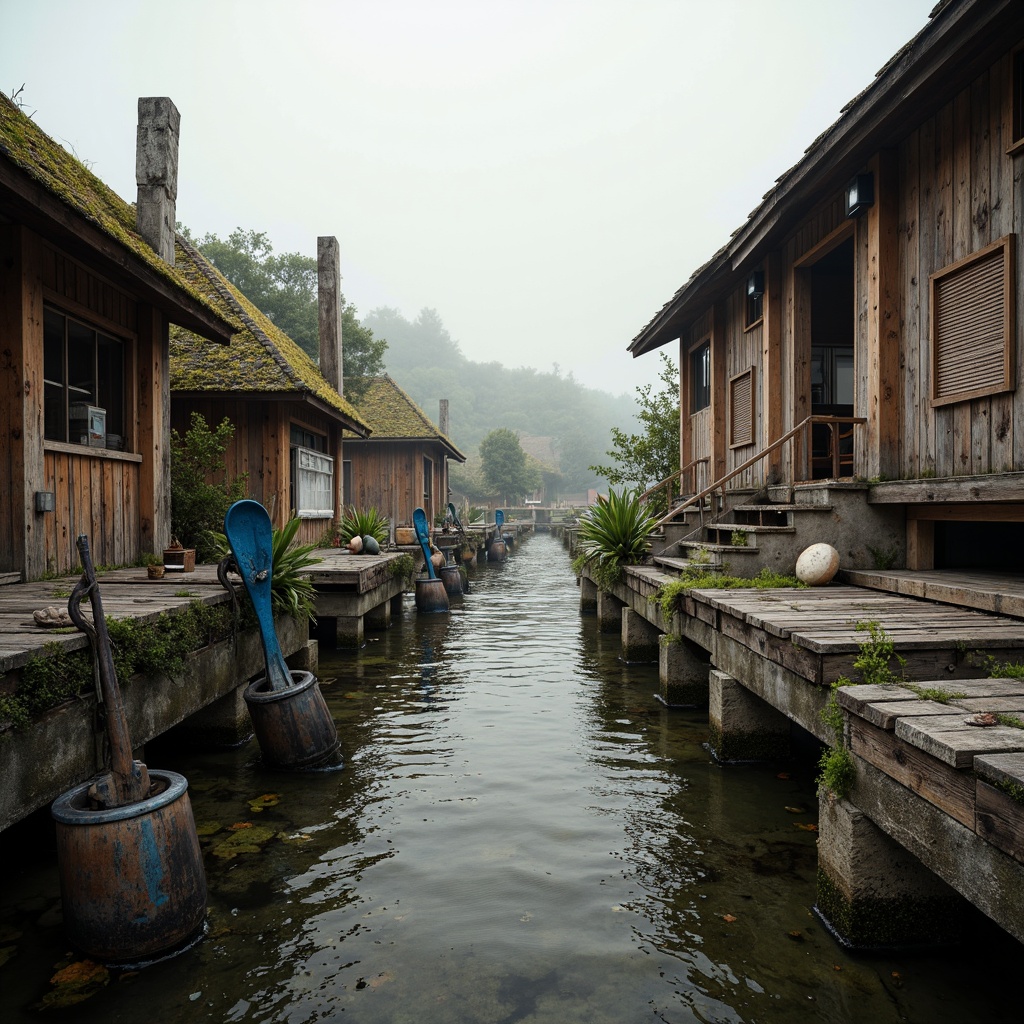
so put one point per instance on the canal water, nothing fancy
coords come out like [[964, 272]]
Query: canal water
[[521, 832]]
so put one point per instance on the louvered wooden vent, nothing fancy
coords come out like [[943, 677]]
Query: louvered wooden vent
[[741, 409], [972, 325]]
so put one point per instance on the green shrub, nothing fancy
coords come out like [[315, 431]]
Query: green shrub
[[197, 505]]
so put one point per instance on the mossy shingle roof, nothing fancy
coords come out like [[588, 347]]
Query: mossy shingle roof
[[49, 165], [260, 357], [394, 416]]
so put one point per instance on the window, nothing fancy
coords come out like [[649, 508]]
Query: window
[[700, 376], [83, 379], [428, 482], [972, 325], [741, 409], [312, 475], [831, 378]]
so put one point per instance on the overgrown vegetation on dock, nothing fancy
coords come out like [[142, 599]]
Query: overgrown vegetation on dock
[[156, 647]]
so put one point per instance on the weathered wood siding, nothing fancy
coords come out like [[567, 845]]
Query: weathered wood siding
[[389, 476], [959, 191], [742, 350], [97, 495], [260, 449]]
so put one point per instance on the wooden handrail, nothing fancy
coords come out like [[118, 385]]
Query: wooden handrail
[[690, 466], [801, 428]]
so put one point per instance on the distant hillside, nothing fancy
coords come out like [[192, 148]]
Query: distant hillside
[[424, 360]]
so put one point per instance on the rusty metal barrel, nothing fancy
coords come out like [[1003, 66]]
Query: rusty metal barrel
[[451, 576], [293, 725], [132, 881]]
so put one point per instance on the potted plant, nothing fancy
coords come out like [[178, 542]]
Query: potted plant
[[154, 565], [178, 558]]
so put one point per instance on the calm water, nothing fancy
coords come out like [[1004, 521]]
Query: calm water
[[520, 833]]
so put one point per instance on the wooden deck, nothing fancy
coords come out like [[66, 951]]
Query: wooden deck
[[127, 593], [950, 792], [1001, 593]]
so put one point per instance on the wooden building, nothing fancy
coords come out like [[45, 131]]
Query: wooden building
[[876, 289], [288, 419], [88, 290], [404, 463]]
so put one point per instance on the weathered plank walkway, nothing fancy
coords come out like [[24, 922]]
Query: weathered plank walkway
[[948, 792], [61, 749]]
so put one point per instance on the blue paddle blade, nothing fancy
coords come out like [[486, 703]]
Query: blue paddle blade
[[499, 518], [419, 520], [248, 530]]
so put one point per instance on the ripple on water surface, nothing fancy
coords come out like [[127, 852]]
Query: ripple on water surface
[[520, 833]]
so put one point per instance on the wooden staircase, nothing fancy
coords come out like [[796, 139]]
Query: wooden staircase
[[741, 540]]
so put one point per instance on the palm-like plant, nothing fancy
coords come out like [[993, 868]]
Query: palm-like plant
[[614, 533], [291, 590], [372, 522]]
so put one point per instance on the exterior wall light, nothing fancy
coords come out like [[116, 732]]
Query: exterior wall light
[[755, 284], [45, 501], [860, 194]]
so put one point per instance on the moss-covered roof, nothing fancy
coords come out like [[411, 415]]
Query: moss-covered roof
[[394, 416], [260, 357], [45, 161]]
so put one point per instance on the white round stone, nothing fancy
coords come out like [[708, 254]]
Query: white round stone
[[817, 564]]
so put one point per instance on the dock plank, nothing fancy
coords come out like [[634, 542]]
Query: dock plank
[[953, 742]]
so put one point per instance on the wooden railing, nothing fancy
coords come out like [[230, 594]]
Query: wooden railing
[[840, 456], [667, 483]]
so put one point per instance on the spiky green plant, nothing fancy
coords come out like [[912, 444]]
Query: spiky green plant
[[291, 591], [359, 524], [613, 533]]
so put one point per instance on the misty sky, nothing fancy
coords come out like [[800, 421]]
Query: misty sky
[[544, 174]]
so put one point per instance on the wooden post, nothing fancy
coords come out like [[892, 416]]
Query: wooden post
[[772, 420], [882, 356], [22, 529], [153, 431], [328, 265], [156, 173]]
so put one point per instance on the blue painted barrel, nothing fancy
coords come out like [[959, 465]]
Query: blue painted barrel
[[132, 880]]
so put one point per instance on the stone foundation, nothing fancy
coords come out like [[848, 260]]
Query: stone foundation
[[744, 727], [683, 669], [873, 894]]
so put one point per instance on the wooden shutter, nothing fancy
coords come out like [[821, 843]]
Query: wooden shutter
[[972, 325], [741, 409]]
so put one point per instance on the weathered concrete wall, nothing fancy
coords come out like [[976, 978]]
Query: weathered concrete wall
[[64, 749]]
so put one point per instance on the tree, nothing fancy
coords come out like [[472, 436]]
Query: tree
[[284, 287], [643, 459], [504, 464]]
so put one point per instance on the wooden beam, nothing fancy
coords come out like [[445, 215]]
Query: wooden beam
[[153, 430], [882, 358], [772, 372]]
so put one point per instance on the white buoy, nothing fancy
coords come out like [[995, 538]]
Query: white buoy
[[817, 565]]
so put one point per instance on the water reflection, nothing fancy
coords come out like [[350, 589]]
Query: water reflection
[[520, 833]]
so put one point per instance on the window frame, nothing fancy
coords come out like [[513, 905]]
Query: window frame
[[299, 482], [107, 385], [1006, 245], [703, 352]]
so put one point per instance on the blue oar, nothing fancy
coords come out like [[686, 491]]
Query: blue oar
[[419, 520], [247, 527]]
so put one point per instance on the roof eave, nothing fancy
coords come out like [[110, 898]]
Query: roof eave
[[30, 203]]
